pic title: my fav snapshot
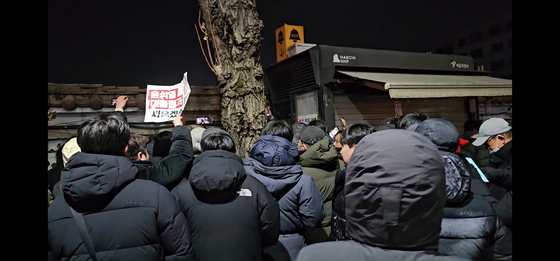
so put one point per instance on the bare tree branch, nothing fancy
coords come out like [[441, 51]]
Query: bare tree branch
[[217, 51], [202, 49]]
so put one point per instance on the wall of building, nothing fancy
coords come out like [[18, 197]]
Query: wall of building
[[489, 44], [372, 108], [74, 103]]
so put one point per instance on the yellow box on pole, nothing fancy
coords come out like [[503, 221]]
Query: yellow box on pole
[[287, 35]]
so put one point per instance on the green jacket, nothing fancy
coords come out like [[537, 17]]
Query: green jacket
[[321, 163], [480, 154]]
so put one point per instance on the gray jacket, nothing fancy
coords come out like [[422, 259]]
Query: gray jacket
[[273, 162]]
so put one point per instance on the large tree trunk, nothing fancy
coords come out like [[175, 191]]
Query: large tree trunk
[[234, 31]]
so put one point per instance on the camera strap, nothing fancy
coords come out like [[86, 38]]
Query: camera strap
[[80, 222]]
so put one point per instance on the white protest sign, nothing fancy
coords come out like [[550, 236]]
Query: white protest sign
[[164, 103]]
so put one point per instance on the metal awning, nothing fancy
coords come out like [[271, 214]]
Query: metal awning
[[400, 85]]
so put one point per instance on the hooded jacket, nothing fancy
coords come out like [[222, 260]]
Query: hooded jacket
[[470, 228], [320, 161], [231, 215], [127, 218], [500, 168], [273, 161], [446, 137], [395, 195]]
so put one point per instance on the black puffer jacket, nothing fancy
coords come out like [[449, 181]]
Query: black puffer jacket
[[500, 169], [402, 175], [127, 218], [171, 169], [470, 228], [445, 136], [394, 195], [232, 216]]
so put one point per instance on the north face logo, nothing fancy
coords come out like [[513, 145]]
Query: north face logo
[[244, 192]]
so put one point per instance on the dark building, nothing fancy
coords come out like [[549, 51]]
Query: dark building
[[368, 85], [489, 44]]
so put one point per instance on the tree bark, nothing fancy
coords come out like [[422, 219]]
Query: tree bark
[[234, 31]]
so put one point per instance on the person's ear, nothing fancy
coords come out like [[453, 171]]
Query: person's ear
[[139, 156], [502, 138]]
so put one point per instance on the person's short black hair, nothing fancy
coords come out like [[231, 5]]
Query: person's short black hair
[[411, 118], [136, 143], [279, 128], [217, 141], [355, 133], [104, 134], [319, 123]]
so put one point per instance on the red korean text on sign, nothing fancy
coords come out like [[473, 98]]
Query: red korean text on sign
[[164, 99]]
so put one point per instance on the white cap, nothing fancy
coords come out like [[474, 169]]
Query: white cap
[[491, 127]]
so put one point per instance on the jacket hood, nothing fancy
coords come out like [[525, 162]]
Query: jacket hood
[[278, 180], [395, 191], [441, 132], [275, 151], [217, 175], [90, 181], [446, 137], [272, 162], [321, 155]]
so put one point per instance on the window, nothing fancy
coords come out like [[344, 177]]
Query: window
[[495, 30], [307, 106], [497, 65], [497, 47], [475, 37], [476, 53]]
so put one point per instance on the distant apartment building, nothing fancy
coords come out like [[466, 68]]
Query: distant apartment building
[[489, 44]]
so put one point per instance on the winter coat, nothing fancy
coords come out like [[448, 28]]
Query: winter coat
[[499, 171], [273, 161], [127, 218], [503, 209], [170, 170], [232, 216], [321, 163], [480, 154], [470, 228], [394, 196], [338, 222]]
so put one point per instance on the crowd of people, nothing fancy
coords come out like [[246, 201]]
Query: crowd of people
[[409, 188]]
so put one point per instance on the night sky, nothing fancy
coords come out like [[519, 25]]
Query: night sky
[[135, 43]]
